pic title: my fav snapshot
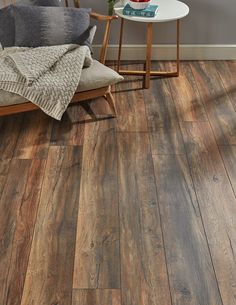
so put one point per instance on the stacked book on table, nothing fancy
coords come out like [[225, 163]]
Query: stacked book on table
[[149, 11]]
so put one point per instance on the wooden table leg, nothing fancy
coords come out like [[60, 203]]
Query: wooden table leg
[[148, 55], [178, 52], [120, 43], [147, 72]]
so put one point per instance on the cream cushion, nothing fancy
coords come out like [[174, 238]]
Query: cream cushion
[[94, 77], [98, 76], [7, 98]]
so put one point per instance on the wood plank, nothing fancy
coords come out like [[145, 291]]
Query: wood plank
[[227, 73], [97, 261], [217, 102], [50, 269], [228, 154], [4, 168], [167, 140], [130, 105], [70, 130], [143, 268], [186, 97], [192, 278], [18, 209], [10, 128], [34, 138], [165, 135], [97, 110], [217, 203], [96, 297], [160, 108]]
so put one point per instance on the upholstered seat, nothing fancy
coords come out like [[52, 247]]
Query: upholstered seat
[[94, 77], [98, 76]]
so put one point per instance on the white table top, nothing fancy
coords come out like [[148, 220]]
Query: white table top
[[168, 10]]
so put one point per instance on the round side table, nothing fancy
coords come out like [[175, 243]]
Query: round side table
[[169, 10]]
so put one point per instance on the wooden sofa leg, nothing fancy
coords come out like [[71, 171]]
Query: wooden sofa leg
[[110, 99]]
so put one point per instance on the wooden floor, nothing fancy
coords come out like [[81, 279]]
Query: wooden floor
[[135, 211]]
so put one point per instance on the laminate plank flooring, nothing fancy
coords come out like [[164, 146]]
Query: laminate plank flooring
[[217, 102], [10, 131], [144, 277], [97, 260], [69, 131], [163, 125], [191, 107], [130, 105], [4, 168], [49, 274], [137, 210], [227, 73], [217, 202], [96, 297], [34, 138], [228, 154], [184, 236], [19, 204]]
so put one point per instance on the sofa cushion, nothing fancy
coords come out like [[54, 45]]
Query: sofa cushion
[[94, 77], [37, 26], [8, 99], [7, 25], [98, 76]]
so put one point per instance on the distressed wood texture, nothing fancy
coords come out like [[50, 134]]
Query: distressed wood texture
[[143, 269], [69, 131], [228, 154], [165, 135], [227, 73], [96, 297], [136, 210], [19, 204], [130, 106], [97, 261], [50, 269], [217, 102], [217, 203], [185, 94], [34, 138], [4, 168], [185, 241], [10, 128]]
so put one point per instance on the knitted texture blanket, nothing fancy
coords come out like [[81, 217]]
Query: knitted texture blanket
[[46, 76]]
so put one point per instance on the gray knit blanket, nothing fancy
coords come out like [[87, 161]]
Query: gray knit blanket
[[46, 76]]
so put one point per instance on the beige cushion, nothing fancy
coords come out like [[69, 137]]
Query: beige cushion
[[94, 77], [98, 76], [7, 99]]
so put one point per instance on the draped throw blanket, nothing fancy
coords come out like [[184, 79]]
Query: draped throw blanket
[[46, 76]]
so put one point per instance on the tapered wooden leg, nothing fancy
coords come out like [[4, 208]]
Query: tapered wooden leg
[[178, 52], [148, 55], [120, 43], [147, 72], [110, 99]]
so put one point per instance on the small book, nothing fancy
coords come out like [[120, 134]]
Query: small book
[[149, 11]]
